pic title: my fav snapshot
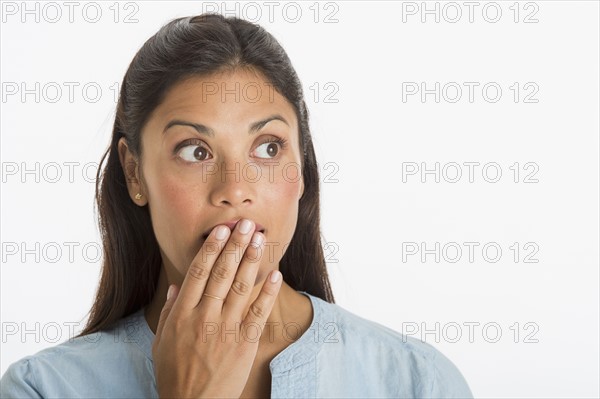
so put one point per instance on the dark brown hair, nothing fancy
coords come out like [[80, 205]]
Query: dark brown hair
[[183, 48]]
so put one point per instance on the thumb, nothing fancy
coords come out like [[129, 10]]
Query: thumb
[[172, 293]]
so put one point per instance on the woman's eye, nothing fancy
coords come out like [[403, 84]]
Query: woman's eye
[[193, 153], [269, 149]]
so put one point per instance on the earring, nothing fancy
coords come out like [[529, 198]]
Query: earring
[[138, 196]]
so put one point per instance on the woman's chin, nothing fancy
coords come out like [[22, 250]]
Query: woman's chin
[[262, 274]]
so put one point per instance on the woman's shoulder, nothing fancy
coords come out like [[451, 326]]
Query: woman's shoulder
[[79, 364], [354, 329], [371, 346]]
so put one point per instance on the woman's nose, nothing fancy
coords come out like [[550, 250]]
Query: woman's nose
[[234, 184]]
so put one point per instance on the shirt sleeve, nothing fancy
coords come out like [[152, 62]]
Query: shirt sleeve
[[18, 381], [448, 382]]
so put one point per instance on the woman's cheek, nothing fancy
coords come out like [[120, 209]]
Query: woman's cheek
[[174, 209], [171, 199], [283, 198], [285, 179]]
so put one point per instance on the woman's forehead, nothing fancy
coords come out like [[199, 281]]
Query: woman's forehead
[[234, 97]]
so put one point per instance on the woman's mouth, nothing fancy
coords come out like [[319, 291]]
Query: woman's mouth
[[258, 228]]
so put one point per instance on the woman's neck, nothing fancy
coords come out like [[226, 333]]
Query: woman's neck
[[290, 307]]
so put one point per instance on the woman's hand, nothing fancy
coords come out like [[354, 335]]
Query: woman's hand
[[200, 348]]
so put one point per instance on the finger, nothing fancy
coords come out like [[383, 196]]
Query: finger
[[199, 271], [260, 309], [166, 310], [244, 280], [225, 268]]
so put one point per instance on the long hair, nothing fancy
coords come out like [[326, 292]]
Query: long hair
[[186, 47]]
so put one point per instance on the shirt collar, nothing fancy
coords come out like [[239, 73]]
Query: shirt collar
[[301, 351]]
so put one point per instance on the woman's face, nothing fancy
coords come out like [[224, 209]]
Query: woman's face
[[212, 152]]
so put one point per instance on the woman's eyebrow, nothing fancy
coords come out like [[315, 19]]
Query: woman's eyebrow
[[203, 129], [256, 126], [200, 128]]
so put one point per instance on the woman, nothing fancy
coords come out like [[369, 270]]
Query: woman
[[209, 196]]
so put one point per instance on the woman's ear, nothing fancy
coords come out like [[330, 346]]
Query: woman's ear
[[131, 171]]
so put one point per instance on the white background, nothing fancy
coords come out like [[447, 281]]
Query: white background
[[372, 211]]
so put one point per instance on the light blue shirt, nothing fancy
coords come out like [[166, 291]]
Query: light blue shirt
[[341, 355]]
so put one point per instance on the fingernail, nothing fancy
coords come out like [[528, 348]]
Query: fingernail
[[170, 292], [222, 232], [275, 276], [245, 226], [257, 239]]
